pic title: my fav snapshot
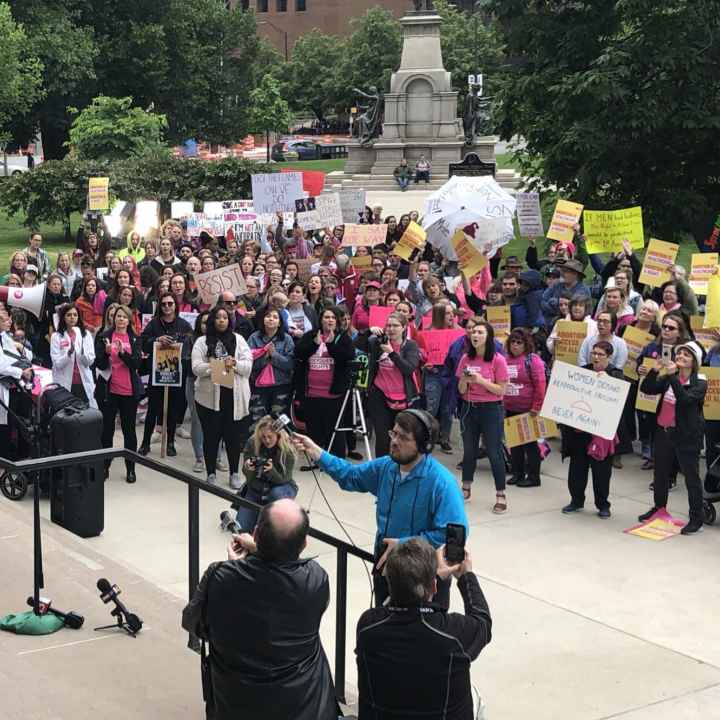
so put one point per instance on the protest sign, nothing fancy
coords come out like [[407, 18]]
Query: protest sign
[[181, 208], [98, 193], [605, 230], [145, 320], [711, 405], [362, 262], [585, 400], [364, 235], [378, 315], [490, 235], [645, 402], [470, 259], [412, 239], [499, 318], [276, 191], [570, 336], [189, 317], [659, 258], [437, 344], [528, 214], [305, 268], [712, 303], [352, 205], [325, 214], [167, 365], [211, 284], [707, 337], [213, 207], [526, 428], [195, 223], [660, 527], [564, 218], [635, 340], [220, 375], [702, 267]]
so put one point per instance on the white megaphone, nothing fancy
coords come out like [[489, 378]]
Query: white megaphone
[[30, 299]]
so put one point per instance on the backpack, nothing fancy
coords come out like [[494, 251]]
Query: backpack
[[56, 398]]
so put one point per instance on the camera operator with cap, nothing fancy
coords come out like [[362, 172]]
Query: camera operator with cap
[[416, 495], [261, 612], [413, 656]]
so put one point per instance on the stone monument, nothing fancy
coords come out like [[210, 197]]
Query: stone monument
[[420, 110]]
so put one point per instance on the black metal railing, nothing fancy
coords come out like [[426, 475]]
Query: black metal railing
[[195, 485]]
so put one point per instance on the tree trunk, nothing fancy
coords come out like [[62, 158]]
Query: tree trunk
[[267, 143]]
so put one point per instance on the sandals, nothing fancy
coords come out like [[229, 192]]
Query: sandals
[[500, 505], [466, 491]]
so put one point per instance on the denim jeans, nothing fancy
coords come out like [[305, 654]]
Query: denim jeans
[[484, 419], [403, 182], [196, 433], [247, 517], [438, 402]]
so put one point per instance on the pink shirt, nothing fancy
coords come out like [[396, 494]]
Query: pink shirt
[[320, 373], [389, 379], [495, 371], [666, 416], [120, 381]]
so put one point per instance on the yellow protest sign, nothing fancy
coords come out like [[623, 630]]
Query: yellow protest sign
[[98, 193], [564, 218], [711, 406], [702, 267], [412, 239], [645, 402], [712, 303], [525, 428], [499, 318], [657, 529], [570, 336], [470, 259], [362, 262], [659, 258], [707, 337], [605, 230], [635, 340]]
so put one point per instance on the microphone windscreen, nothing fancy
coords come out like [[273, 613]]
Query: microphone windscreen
[[103, 585]]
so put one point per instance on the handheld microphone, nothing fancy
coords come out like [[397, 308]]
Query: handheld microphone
[[228, 523], [109, 593], [71, 619], [282, 422]]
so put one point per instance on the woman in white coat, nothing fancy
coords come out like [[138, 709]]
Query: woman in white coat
[[72, 351], [14, 366], [224, 412]]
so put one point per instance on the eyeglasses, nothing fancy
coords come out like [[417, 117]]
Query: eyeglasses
[[517, 341], [231, 302], [598, 353], [402, 437], [670, 327]]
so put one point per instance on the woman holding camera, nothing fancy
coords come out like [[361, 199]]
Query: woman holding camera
[[268, 468], [392, 362], [224, 411], [322, 377], [166, 329], [118, 389], [72, 352]]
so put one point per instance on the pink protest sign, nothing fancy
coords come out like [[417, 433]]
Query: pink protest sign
[[437, 344], [378, 315]]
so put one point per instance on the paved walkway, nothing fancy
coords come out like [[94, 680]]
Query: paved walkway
[[589, 623]]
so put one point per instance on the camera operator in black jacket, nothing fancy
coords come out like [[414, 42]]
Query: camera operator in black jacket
[[413, 656], [261, 612]]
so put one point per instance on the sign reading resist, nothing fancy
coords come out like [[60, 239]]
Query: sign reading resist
[[211, 284]]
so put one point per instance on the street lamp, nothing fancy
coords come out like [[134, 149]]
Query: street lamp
[[280, 30]]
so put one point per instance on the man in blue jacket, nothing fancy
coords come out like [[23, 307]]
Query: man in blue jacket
[[416, 495]]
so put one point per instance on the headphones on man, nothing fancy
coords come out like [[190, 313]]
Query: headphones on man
[[427, 442]]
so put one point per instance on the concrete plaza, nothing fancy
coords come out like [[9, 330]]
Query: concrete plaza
[[589, 622]]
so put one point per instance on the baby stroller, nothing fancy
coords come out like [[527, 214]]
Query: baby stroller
[[711, 494]]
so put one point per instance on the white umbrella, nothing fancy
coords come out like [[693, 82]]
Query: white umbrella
[[469, 201]]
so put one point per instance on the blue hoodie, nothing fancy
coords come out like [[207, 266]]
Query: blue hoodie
[[420, 504]]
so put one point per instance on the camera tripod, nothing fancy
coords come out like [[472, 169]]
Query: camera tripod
[[358, 419], [122, 624]]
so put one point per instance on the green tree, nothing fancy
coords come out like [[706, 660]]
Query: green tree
[[371, 54], [310, 80], [269, 110], [617, 102], [111, 129], [20, 71]]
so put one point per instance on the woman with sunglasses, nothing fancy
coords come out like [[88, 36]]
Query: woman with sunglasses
[[167, 328], [680, 422]]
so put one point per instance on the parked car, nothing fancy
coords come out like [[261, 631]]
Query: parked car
[[294, 150], [20, 160]]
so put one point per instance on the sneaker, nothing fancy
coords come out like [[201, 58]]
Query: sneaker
[[604, 513], [170, 450], [647, 515], [221, 465], [199, 466], [155, 438], [446, 447], [692, 528], [183, 433], [212, 479], [570, 508], [235, 481], [529, 481]]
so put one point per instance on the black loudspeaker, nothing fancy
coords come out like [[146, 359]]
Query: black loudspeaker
[[77, 502]]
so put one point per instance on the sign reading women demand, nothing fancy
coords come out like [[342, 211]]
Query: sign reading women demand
[[585, 400]]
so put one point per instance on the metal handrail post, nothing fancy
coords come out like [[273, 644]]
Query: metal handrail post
[[193, 551], [340, 624]]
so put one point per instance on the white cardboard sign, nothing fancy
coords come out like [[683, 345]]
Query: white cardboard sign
[[211, 284], [352, 204], [528, 214], [585, 400], [276, 191], [327, 213]]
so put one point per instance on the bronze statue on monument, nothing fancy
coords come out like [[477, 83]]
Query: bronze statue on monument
[[476, 114], [419, 6], [369, 124]]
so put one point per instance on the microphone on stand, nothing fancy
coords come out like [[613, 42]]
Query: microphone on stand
[[109, 593]]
